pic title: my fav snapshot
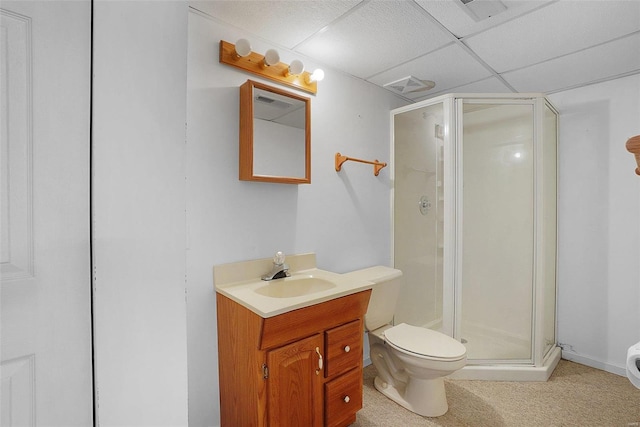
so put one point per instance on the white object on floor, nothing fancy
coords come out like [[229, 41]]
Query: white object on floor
[[633, 364]]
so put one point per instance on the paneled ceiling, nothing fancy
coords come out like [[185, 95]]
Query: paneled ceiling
[[461, 45]]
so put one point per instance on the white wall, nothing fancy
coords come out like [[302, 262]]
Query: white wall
[[342, 217], [144, 333], [138, 222], [599, 223]]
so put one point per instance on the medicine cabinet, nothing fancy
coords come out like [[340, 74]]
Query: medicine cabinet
[[275, 135]]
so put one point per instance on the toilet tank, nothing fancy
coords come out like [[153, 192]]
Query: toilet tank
[[384, 294]]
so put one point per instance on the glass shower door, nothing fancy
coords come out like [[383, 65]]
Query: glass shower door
[[418, 214], [495, 283]]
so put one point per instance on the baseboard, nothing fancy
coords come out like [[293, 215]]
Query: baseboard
[[583, 360]]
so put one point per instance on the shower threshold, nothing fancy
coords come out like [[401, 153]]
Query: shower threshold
[[506, 372]]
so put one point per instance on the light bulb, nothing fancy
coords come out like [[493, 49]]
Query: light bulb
[[243, 48], [295, 68], [316, 76], [271, 57]]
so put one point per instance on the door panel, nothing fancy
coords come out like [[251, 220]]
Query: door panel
[[497, 230], [44, 209], [295, 383]]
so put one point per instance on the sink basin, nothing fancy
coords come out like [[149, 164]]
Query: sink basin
[[308, 285], [294, 287]]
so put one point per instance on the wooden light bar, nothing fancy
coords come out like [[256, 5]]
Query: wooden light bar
[[633, 146], [253, 63]]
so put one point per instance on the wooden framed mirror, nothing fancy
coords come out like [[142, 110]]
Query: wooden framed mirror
[[275, 135]]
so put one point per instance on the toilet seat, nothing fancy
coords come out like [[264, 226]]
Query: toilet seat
[[424, 343]]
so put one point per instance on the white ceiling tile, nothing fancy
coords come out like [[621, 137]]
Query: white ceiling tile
[[448, 67], [611, 59], [451, 14], [490, 85], [555, 30], [377, 36], [284, 22], [537, 47]]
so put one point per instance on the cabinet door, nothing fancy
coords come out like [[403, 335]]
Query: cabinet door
[[295, 384]]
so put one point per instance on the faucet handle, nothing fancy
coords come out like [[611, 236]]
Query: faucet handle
[[278, 258]]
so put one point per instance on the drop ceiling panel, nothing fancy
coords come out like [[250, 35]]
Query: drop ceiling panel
[[451, 14], [448, 67], [284, 22], [555, 30], [536, 45], [615, 58], [490, 85], [377, 36]]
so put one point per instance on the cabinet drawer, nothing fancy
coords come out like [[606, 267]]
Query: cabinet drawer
[[344, 348], [343, 398]]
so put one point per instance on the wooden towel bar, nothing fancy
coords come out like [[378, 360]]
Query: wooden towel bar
[[377, 166]]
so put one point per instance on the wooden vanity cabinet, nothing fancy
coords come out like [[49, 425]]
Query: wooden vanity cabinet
[[301, 368]]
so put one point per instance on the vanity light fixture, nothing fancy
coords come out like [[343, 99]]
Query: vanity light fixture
[[268, 66]]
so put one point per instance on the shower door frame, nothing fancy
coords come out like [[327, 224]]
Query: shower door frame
[[448, 264], [459, 102], [542, 361]]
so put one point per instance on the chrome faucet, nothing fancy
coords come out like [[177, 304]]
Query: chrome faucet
[[279, 269]]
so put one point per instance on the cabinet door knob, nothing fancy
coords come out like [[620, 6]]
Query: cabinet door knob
[[347, 349], [346, 399]]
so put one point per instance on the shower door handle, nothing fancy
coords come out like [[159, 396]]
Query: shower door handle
[[424, 205]]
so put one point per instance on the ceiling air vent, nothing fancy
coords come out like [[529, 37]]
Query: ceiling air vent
[[409, 85], [482, 9]]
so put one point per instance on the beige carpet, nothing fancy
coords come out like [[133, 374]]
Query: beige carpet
[[575, 395]]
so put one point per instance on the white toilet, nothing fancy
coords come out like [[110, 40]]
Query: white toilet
[[411, 361]]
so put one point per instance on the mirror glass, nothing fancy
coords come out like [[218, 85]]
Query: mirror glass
[[274, 135]]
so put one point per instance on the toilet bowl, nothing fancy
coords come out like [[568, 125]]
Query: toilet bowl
[[411, 361]]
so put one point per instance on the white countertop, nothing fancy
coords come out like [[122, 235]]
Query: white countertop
[[231, 281]]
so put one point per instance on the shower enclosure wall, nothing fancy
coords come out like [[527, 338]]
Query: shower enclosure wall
[[474, 214]]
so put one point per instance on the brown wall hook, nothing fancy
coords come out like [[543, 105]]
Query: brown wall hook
[[633, 146]]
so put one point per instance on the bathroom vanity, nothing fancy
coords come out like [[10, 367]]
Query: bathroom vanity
[[290, 367]]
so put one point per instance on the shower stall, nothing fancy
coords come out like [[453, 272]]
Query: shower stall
[[474, 228]]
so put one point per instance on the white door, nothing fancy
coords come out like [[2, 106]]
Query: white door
[[44, 210]]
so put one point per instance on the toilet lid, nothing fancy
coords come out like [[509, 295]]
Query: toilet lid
[[424, 342]]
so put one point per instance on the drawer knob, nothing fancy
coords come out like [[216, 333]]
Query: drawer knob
[[346, 399], [347, 349]]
